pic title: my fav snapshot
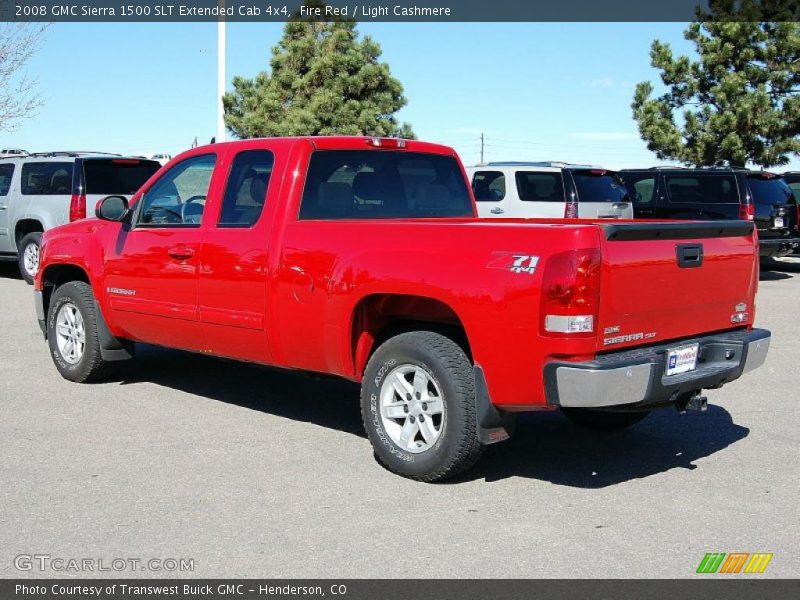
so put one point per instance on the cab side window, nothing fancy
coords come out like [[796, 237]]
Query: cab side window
[[178, 198], [246, 190], [6, 173]]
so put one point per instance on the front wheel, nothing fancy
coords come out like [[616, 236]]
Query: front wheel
[[418, 407], [72, 333], [29, 256], [601, 420]]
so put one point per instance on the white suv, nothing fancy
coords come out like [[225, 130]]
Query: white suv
[[40, 191], [548, 190]]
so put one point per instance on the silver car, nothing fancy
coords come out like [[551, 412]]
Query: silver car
[[40, 191], [548, 190]]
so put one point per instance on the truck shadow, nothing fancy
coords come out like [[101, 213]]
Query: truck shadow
[[546, 445], [774, 270], [550, 448], [325, 401]]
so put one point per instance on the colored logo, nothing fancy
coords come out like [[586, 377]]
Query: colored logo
[[735, 562]]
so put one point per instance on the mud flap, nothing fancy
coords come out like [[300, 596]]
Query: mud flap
[[111, 348], [493, 425]]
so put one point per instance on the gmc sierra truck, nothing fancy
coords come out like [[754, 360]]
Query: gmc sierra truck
[[363, 258]]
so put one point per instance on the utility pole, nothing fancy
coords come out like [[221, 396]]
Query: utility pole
[[481, 148], [220, 137]]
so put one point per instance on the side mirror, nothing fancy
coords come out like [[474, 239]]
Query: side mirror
[[112, 208]]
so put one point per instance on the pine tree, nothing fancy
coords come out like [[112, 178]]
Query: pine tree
[[739, 100], [323, 81]]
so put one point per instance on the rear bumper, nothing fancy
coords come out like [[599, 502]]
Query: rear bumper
[[778, 248], [636, 378]]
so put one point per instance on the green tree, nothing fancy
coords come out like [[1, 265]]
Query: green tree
[[323, 81], [739, 99]]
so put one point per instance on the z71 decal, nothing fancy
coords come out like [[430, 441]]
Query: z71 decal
[[516, 263]]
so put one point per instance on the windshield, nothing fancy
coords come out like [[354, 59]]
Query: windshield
[[117, 175], [597, 185], [770, 191]]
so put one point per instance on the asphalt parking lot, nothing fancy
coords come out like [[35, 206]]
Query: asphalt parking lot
[[262, 473]]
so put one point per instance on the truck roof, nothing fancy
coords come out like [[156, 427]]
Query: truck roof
[[340, 142]]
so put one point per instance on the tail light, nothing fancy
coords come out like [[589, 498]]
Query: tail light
[[797, 222], [386, 142], [571, 209], [747, 212], [77, 207], [570, 296]]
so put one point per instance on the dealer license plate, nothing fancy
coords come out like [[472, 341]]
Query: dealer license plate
[[682, 360], [778, 222]]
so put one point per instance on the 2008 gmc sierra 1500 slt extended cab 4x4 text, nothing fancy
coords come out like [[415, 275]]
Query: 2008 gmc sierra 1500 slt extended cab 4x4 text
[[363, 258]]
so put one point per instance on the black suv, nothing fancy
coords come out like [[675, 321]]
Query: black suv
[[793, 179], [712, 194]]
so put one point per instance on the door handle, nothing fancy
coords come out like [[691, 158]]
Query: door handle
[[3, 206], [689, 255], [497, 211], [180, 253]]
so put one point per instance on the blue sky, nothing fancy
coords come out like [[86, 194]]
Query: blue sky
[[538, 91]]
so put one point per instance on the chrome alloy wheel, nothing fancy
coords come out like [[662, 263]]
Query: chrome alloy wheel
[[70, 333], [412, 408], [30, 259]]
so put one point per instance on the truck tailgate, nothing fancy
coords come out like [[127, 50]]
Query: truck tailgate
[[663, 281]]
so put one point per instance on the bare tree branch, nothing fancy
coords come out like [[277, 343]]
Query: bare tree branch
[[19, 98]]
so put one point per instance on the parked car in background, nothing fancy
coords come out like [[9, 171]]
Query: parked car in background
[[337, 255], [548, 190], [42, 190], [793, 179], [6, 152], [711, 194], [162, 158]]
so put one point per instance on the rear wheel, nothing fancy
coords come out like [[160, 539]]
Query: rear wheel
[[28, 255], [601, 420], [72, 333], [418, 406]]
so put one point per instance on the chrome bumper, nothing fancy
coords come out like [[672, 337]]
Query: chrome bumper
[[637, 377]]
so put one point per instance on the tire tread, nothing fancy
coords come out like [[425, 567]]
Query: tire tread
[[453, 359], [97, 368]]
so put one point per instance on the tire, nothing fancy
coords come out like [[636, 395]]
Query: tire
[[28, 256], [601, 420], [426, 441], [73, 303]]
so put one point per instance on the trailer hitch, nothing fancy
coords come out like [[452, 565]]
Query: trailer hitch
[[694, 403]]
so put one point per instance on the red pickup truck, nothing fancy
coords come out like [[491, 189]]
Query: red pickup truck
[[363, 258]]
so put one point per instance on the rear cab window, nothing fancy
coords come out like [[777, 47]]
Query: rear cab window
[[489, 186], [6, 174], [47, 178], [702, 189], [599, 185], [107, 176], [383, 184], [540, 186]]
